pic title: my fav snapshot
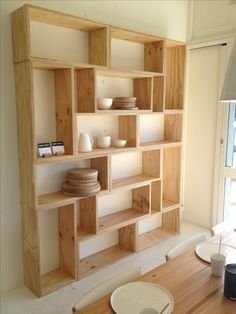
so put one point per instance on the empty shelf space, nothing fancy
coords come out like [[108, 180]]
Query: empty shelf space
[[54, 280], [153, 237], [57, 199], [120, 219], [83, 234], [95, 262], [167, 204], [133, 181]]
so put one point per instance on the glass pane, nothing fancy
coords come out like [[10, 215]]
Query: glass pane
[[230, 200], [231, 138]]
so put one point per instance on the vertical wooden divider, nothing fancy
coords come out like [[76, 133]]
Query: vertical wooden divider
[[171, 220], [153, 56], [67, 227], [64, 108], [99, 52], [141, 198], [128, 129], [88, 214], [128, 237], [86, 90], [101, 164], [151, 163], [142, 89], [158, 93], [27, 155], [156, 196], [173, 127]]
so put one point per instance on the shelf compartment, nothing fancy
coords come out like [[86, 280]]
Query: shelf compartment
[[133, 181], [87, 218], [62, 244], [171, 175], [158, 94], [153, 237], [170, 227], [54, 108], [156, 199], [174, 96], [54, 280], [149, 54], [140, 208], [68, 31], [173, 127], [168, 204], [100, 260]]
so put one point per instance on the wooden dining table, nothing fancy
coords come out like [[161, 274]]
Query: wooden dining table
[[189, 279]]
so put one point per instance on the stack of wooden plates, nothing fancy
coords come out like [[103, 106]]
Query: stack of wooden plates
[[125, 103], [81, 182]]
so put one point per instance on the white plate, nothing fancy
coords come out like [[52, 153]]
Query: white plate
[[205, 249], [141, 298]]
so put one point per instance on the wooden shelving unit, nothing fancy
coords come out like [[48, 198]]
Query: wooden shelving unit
[[55, 94]]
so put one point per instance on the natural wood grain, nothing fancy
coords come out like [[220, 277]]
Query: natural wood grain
[[171, 174], [158, 94], [20, 23], [128, 237], [156, 199], [120, 219], [131, 182], [128, 130], [173, 127], [141, 198], [171, 220], [54, 280], [175, 77], [151, 163], [190, 282], [86, 90], [99, 46], [166, 204], [88, 214], [142, 90], [153, 237], [95, 262], [64, 108], [159, 144], [101, 164], [154, 56], [62, 19], [67, 239]]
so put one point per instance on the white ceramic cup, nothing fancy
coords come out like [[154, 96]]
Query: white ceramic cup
[[217, 264], [104, 142]]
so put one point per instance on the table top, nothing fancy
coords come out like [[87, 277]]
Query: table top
[[189, 280]]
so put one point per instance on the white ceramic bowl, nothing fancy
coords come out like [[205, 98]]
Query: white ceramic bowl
[[104, 103], [119, 143]]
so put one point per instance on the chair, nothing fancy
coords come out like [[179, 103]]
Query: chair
[[185, 245], [219, 228], [107, 287]]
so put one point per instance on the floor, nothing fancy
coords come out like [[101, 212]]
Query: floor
[[22, 301]]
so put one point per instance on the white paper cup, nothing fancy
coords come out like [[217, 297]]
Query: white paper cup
[[217, 264]]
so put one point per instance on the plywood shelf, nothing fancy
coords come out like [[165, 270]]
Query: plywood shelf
[[120, 219], [131, 182], [54, 159], [54, 280], [83, 234], [129, 73], [153, 237], [159, 144], [116, 112], [97, 152], [95, 262], [168, 204], [57, 199]]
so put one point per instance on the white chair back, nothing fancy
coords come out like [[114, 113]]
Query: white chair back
[[185, 245], [107, 287]]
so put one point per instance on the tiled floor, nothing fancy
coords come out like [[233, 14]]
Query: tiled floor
[[22, 301]]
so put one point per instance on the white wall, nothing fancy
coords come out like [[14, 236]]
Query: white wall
[[212, 18], [163, 18]]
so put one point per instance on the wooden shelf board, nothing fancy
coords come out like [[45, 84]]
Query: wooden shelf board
[[98, 152], [83, 234], [120, 219], [132, 182], [153, 237], [116, 112], [55, 159], [168, 204], [128, 73], [95, 262], [62, 19], [173, 111], [54, 280], [159, 144], [57, 199]]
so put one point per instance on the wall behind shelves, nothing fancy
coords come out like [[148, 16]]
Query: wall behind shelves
[[162, 18]]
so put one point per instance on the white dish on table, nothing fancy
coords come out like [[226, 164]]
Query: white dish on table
[[142, 298], [206, 249]]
